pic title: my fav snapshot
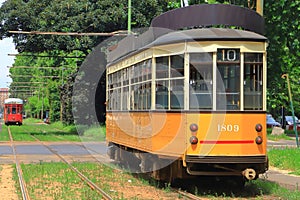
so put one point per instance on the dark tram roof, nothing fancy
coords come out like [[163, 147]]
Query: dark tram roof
[[131, 45], [207, 34], [167, 25], [210, 14]]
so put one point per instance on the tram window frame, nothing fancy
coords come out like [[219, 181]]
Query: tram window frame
[[162, 67], [176, 94], [201, 81], [228, 93], [172, 69], [177, 66], [253, 81]]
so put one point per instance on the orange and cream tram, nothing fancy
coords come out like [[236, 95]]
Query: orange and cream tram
[[13, 111], [186, 99]]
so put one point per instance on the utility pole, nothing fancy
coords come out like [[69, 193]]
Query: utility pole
[[129, 17], [292, 107]]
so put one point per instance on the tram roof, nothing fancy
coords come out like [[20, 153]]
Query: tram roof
[[13, 101], [208, 34], [132, 45], [190, 23]]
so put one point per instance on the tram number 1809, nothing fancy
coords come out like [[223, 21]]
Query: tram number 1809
[[228, 127]]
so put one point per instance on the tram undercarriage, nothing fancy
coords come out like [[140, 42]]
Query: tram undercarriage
[[168, 169]]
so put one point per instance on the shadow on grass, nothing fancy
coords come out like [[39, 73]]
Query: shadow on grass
[[224, 188]]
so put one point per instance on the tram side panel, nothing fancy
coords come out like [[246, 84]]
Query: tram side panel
[[162, 134]]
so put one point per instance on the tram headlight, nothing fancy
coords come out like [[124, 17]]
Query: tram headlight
[[258, 140], [258, 127], [193, 140]]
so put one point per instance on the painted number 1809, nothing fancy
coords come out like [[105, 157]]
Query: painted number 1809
[[228, 128]]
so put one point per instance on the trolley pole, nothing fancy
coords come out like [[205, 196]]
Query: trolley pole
[[292, 107]]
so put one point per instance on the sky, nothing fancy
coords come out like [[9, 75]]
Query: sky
[[6, 47]]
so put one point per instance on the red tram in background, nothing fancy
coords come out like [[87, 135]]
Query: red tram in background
[[13, 108]]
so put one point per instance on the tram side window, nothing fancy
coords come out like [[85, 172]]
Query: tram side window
[[162, 86], [177, 66], [228, 79], [140, 95], [253, 81], [162, 67], [177, 94], [169, 83], [162, 97], [201, 66], [114, 91]]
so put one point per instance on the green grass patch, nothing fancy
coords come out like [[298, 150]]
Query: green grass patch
[[287, 159], [4, 133], [57, 181], [19, 133], [273, 189], [52, 132]]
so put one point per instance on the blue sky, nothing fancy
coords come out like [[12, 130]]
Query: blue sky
[[6, 47]]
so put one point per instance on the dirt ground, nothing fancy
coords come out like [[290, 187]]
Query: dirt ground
[[7, 184]]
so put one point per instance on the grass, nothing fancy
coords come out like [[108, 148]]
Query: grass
[[53, 132], [273, 189], [4, 133], [57, 181], [287, 159]]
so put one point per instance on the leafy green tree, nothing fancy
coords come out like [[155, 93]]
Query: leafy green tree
[[283, 30], [53, 50], [71, 16]]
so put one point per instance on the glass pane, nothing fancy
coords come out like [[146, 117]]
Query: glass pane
[[201, 66], [177, 66], [125, 74], [147, 96], [253, 81], [228, 87], [176, 92], [125, 98], [147, 70], [162, 94], [162, 67]]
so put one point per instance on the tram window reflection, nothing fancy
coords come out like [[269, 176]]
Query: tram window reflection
[[228, 79], [253, 83], [201, 67]]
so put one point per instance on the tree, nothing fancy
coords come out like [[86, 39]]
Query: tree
[[64, 16], [283, 30], [70, 16]]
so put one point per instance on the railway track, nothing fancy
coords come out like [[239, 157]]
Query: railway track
[[91, 184], [23, 187]]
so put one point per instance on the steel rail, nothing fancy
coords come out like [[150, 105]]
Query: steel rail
[[187, 194], [22, 183], [81, 176]]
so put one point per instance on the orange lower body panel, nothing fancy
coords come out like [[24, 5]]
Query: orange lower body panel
[[168, 133]]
